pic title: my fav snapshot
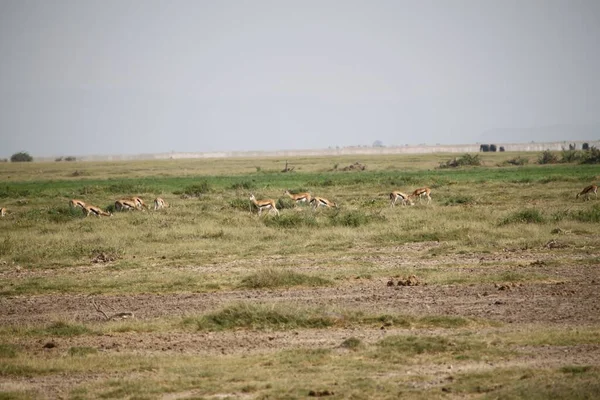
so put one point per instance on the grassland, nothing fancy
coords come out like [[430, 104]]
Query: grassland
[[229, 305]]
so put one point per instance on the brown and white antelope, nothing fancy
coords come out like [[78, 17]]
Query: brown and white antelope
[[160, 203], [89, 210], [587, 191], [125, 204], [404, 198], [422, 192], [2, 211], [74, 203], [317, 202], [268, 204], [299, 197], [140, 205]]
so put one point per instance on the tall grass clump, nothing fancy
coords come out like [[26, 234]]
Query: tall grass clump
[[528, 216], [354, 219], [274, 278], [259, 317], [517, 161], [292, 220], [459, 199], [195, 190], [589, 215], [241, 204], [243, 185]]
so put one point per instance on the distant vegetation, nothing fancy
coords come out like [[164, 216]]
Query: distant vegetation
[[465, 160], [21, 157]]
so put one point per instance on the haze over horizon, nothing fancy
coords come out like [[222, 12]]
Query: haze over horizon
[[130, 77]]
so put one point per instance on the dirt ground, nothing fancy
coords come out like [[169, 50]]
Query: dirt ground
[[570, 297]]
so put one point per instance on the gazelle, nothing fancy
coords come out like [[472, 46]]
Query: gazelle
[[124, 204], [422, 192], [160, 203], [74, 203], [96, 211], [587, 191], [317, 202], [404, 198], [139, 203], [266, 203], [2, 211], [299, 197]]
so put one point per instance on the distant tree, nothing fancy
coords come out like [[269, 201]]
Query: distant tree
[[58, 159], [493, 147], [484, 147], [4, 160], [585, 146], [501, 148], [21, 157], [378, 143], [70, 158]]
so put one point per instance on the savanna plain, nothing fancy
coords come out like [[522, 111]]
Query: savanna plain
[[489, 291]]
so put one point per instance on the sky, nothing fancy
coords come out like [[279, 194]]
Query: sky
[[81, 77]]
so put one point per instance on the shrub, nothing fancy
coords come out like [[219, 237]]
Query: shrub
[[501, 148], [585, 146], [592, 156], [569, 156], [70, 158], [529, 216], [21, 157], [590, 215], [465, 160], [58, 159], [547, 157], [493, 147], [484, 147]]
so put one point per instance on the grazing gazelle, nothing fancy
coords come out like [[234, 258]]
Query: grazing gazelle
[[322, 202], [125, 204], [74, 203], [422, 192], [139, 203], [2, 211], [299, 197], [96, 211], [160, 203], [269, 204], [587, 191], [404, 198]]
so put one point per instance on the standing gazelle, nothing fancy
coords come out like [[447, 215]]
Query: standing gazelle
[[587, 191], [299, 197], [269, 204], [160, 203], [422, 192], [404, 198]]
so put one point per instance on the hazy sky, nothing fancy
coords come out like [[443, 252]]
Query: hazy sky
[[140, 76]]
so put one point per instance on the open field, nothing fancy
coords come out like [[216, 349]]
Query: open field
[[206, 300]]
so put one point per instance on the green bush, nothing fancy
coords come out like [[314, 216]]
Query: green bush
[[570, 156], [21, 157], [241, 204], [547, 157], [592, 156], [465, 160]]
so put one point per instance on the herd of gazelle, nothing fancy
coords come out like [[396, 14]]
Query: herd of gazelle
[[129, 204], [136, 203]]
